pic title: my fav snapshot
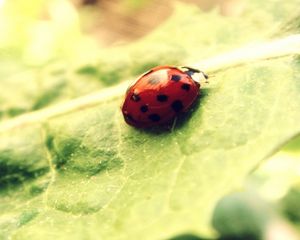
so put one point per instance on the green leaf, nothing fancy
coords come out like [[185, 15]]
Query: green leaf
[[87, 173], [243, 215], [76, 170]]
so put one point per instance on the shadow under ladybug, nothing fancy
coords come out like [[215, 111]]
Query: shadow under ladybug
[[181, 119]]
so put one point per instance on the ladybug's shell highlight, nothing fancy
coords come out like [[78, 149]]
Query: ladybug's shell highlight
[[158, 96]]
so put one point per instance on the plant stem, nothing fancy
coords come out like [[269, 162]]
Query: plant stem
[[277, 48]]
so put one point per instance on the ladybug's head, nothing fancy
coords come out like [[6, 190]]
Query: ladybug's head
[[195, 74]]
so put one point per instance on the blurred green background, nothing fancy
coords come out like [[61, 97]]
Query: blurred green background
[[54, 51]]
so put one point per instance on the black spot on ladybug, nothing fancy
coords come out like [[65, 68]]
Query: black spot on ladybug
[[135, 97], [177, 106], [185, 87], [144, 108], [129, 118], [162, 98], [175, 78], [154, 117]]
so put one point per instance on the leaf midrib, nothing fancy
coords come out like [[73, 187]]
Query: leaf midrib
[[260, 52]]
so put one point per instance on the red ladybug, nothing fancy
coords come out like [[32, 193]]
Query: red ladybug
[[160, 94]]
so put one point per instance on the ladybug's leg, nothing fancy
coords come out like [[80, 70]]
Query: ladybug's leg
[[173, 124], [204, 74]]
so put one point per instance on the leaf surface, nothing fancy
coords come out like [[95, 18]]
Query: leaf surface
[[87, 173]]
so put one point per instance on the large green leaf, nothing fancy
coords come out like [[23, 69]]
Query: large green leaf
[[70, 172], [87, 174]]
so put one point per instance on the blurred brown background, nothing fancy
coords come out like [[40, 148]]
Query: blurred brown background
[[116, 21]]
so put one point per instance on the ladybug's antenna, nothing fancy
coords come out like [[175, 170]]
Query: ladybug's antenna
[[204, 74]]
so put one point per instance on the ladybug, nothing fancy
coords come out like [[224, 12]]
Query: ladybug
[[160, 94]]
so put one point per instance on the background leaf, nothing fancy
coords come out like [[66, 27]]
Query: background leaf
[[73, 70]]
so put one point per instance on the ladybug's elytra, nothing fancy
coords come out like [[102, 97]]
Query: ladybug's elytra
[[160, 94]]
